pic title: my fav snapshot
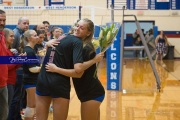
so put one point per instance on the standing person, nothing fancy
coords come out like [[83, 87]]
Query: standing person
[[30, 71], [19, 92], [56, 87], [40, 48], [47, 34], [88, 88], [23, 25], [3, 70], [9, 36], [150, 40], [161, 45], [40, 43], [149, 37]]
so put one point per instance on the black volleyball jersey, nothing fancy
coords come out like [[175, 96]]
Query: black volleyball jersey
[[29, 77], [88, 87], [65, 55]]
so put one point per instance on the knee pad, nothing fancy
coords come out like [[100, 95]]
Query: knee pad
[[29, 112]]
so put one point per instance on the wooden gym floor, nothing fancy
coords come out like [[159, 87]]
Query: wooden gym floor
[[139, 99]]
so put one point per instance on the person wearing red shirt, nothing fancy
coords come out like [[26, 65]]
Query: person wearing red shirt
[[9, 36], [17, 102], [3, 70]]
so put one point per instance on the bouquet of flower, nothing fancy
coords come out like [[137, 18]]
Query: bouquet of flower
[[95, 43], [106, 37]]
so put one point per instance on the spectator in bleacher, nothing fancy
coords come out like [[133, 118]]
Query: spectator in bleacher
[[136, 42], [3, 70], [19, 92]]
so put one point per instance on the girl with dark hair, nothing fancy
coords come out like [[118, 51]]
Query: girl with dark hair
[[40, 44]]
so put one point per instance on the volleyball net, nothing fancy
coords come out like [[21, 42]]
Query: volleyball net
[[56, 15]]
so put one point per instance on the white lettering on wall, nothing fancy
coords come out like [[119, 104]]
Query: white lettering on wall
[[113, 66], [113, 56], [113, 75], [113, 85], [112, 47]]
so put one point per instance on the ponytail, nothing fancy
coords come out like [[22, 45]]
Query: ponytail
[[21, 46], [24, 39]]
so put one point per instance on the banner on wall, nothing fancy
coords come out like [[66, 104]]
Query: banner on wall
[[162, 0], [39, 7], [57, 0]]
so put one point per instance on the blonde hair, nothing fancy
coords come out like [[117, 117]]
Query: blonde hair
[[24, 39], [7, 32], [90, 27], [88, 39]]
